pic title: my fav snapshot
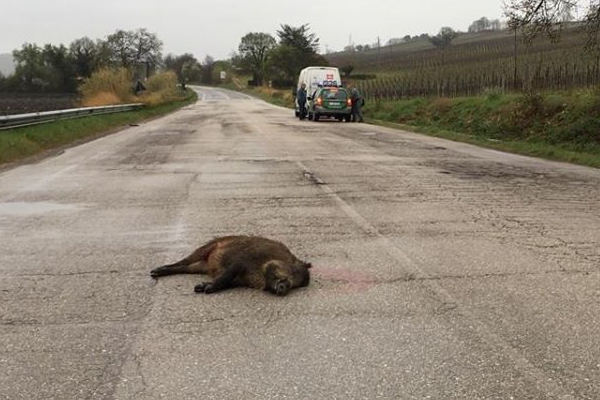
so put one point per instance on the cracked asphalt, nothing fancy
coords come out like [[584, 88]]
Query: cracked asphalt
[[441, 270]]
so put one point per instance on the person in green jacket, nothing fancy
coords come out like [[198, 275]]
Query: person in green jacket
[[301, 96], [357, 103]]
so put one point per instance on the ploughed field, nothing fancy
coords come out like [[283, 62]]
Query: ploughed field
[[21, 103]]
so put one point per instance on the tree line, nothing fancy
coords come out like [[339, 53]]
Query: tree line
[[441, 39], [53, 69]]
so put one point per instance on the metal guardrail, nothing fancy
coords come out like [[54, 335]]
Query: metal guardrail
[[19, 120]]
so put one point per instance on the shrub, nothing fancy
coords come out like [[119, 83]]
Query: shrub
[[493, 93], [115, 86], [439, 107], [160, 88], [100, 99], [163, 82], [107, 86]]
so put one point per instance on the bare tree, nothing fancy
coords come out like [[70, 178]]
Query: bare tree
[[255, 49], [84, 52], [535, 17], [131, 48], [121, 48], [148, 48]]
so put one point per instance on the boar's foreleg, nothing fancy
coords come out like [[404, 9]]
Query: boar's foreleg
[[224, 281]]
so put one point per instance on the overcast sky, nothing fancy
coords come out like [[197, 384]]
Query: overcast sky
[[215, 27]]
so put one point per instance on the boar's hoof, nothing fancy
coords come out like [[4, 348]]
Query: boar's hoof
[[156, 272], [204, 287]]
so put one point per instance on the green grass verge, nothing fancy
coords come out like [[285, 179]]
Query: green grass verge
[[21, 143], [561, 127], [533, 149]]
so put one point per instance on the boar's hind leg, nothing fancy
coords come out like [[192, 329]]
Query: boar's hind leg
[[180, 267], [221, 282], [195, 263]]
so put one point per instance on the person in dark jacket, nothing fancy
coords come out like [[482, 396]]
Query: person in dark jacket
[[301, 96], [357, 103]]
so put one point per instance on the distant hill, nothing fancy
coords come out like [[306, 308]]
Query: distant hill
[[7, 66], [389, 56]]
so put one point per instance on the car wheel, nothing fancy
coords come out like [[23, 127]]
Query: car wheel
[[347, 118]]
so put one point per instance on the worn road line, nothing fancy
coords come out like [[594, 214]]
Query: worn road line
[[540, 379]]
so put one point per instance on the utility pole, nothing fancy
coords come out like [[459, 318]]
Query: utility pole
[[515, 66], [351, 46], [378, 54]]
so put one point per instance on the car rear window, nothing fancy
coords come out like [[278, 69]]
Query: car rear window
[[337, 94]]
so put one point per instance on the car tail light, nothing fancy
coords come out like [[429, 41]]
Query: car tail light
[[349, 102], [319, 101]]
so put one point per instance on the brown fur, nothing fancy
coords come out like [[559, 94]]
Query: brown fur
[[250, 261]]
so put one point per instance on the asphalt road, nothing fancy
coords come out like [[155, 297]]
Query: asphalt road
[[441, 270]]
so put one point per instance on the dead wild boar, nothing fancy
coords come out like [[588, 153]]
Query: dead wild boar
[[249, 261]]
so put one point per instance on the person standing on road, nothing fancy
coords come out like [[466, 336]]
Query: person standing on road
[[357, 103], [301, 95]]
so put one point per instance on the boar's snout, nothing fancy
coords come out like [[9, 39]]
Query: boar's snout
[[282, 287]]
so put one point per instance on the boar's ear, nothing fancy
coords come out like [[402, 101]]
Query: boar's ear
[[307, 265], [269, 268]]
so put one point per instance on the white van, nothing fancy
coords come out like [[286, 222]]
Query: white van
[[314, 77]]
